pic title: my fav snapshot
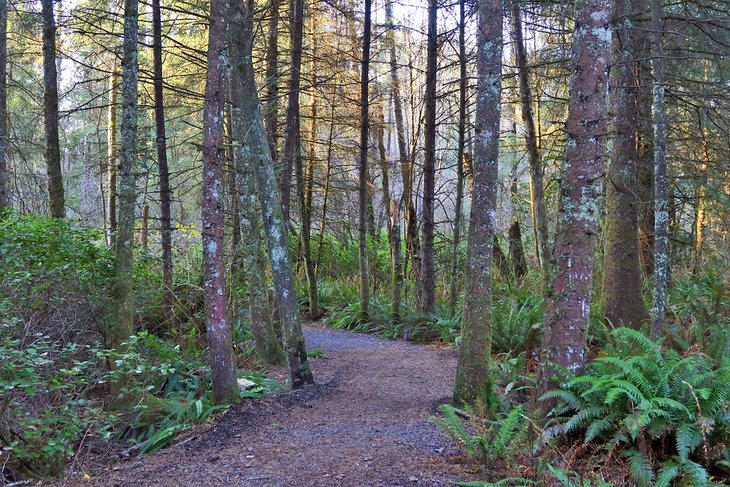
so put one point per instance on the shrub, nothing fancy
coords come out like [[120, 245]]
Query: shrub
[[667, 414]]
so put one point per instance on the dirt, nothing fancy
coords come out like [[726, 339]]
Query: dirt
[[365, 423]]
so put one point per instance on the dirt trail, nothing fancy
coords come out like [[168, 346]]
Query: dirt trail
[[364, 424]]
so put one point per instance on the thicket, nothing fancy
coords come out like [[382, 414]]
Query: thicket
[[56, 370]]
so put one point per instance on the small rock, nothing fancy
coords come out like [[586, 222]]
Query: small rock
[[245, 384], [413, 478]]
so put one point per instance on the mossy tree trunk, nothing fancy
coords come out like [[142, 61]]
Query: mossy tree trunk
[[623, 303], [473, 385], [274, 224]]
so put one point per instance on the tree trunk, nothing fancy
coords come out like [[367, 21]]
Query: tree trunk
[[163, 169], [4, 139], [325, 196], [463, 80], [303, 189], [661, 213], [292, 143], [50, 110], [411, 227], [538, 207], [222, 365], [517, 251], [391, 218], [124, 245], [111, 157], [623, 303], [268, 349], [363, 165], [473, 380], [569, 297], [427, 284], [269, 196], [271, 113]]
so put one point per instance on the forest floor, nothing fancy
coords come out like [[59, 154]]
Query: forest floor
[[365, 423]]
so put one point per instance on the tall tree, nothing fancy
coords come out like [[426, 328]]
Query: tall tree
[[569, 296], [4, 175], [269, 195], [271, 113], [162, 166], [473, 381], [427, 289], [363, 163], [127, 191], [661, 210], [268, 349], [292, 138], [56, 201], [223, 371], [411, 223], [538, 207], [461, 143], [111, 156], [623, 303], [304, 191]]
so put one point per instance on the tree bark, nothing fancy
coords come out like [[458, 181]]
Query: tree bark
[[661, 211], [4, 139], [517, 251], [463, 80], [427, 289], [623, 304], [269, 195], [223, 370], [538, 207], [271, 113], [473, 384], [304, 182], [50, 110], [111, 157], [162, 165], [363, 165], [124, 245], [569, 297], [292, 156], [268, 349]]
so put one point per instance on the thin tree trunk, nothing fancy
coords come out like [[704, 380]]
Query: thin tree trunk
[[50, 110], [304, 182], [111, 158], [4, 139], [391, 218], [701, 220], [223, 369], [144, 231], [427, 284], [463, 80], [517, 251], [473, 384], [274, 224], [661, 213], [363, 165], [325, 195], [127, 191], [623, 303], [569, 299], [268, 349], [271, 113], [292, 156], [538, 206], [162, 165], [411, 228]]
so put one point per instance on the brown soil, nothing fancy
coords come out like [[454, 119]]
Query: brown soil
[[365, 423]]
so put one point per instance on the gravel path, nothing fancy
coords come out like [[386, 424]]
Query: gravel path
[[364, 424]]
